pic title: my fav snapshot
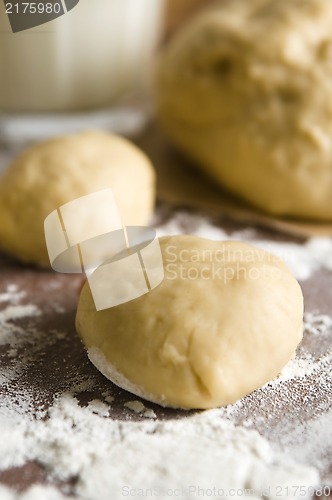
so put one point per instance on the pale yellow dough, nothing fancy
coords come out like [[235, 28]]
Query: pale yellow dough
[[245, 90], [224, 321], [59, 170]]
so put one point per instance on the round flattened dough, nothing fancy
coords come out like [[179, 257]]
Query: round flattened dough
[[245, 90], [226, 318], [59, 170]]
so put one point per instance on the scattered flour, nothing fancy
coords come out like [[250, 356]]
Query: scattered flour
[[109, 399], [109, 371], [301, 367], [12, 295], [186, 457], [304, 364], [36, 492], [139, 407], [12, 334], [311, 441], [99, 408], [296, 368], [202, 451], [59, 309], [317, 323], [12, 312]]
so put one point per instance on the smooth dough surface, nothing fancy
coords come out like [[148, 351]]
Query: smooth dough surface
[[57, 171], [225, 320], [245, 90]]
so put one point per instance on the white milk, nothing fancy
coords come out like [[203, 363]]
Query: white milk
[[82, 60]]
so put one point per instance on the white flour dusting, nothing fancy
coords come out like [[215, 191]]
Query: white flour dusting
[[36, 492], [188, 458], [9, 314], [202, 451], [296, 368], [139, 407], [11, 333], [317, 323], [311, 439], [12, 295]]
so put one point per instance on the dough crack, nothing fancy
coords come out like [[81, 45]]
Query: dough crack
[[198, 378]]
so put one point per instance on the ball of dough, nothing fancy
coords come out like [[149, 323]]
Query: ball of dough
[[245, 90], [226, 318], [59, 170]]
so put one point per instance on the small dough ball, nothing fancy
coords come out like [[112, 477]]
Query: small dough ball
[[59, 170], [225, 320], [245, 90]]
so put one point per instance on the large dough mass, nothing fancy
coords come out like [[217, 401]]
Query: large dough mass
[[225, 320], [54, 172], [245, 90]]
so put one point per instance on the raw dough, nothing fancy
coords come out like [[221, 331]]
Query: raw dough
[[225, 320], [245, 90], [59, 170]]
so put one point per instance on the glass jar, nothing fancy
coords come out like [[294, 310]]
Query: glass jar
[[72, 71]]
